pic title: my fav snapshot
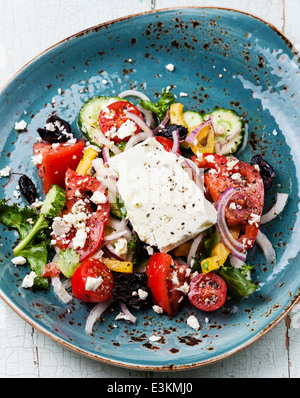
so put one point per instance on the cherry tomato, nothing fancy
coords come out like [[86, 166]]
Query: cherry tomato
[[78, 190], [56, 161], [165, 277], [207, 292], [249, 198], [167, 143], [112, 120], [92, 268]]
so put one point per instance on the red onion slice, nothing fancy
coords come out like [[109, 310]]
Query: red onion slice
[[266, 247], [162, 123], [176, 141], [235, 247], [136, 139], [95, 314], [109, 249], [134, 93], [115, 235], [126, 312], [276, 209], [193, 135], [105, 154], [140, 122], [194, 247], [60, 290]]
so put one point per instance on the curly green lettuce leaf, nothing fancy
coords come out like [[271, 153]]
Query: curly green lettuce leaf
[[161, 107], [36, 253]]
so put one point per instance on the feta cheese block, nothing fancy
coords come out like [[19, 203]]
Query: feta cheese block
[[164, 205]]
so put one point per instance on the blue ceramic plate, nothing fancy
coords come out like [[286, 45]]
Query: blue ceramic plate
[[222, 58]]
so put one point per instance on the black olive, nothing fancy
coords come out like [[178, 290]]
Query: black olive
[[28, 189], [167, 131], [127, 284], [56, 130], [266, 171]]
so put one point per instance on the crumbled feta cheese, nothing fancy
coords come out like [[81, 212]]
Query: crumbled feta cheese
[[150, 250], [5, 172], [20, 125], [93, 283], [79, 239], [154, 338], [59, 226], [254, 218], [183, 288], [19, 260], [183, 94], [121, 246], [231, 163], [157, 309], [28, 281], [232, 206], [236, 177], [170, 67], [37, 159], [37, 204], [193, 322], [142, 294], [126, 129], [104, 81], [98, 198]]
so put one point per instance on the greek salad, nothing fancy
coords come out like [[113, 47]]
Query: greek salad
[[153, 206]]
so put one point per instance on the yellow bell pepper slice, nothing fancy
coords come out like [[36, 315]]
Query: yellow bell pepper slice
[[176, 116], [205, 135], [86, 161], [219, 255], [118, 266]]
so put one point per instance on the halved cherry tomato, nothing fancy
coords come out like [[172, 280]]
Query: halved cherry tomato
[[165, 278], [167, 143], [56, 161], [50, 269], [116, 116], [92, 268], [247, 202], [207, 292], [80, 188]]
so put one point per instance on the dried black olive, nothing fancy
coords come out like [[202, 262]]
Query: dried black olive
[[56, 130], [167, 131], [265, 170], [27, 188], [126, 289]]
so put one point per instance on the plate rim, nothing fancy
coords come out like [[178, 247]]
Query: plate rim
[[124, 364]]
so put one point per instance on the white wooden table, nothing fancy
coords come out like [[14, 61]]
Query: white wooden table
[[27, 27]]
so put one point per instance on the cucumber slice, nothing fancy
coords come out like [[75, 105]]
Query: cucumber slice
[[192, 118], [229, 129], [88, 116], [117, 207]]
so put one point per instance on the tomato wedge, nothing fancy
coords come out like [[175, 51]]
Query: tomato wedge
[[56, 160], [165, 279], [102, 276], [78, 191], [167, 143], [207, 292], [111, 121], [245, 208]]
